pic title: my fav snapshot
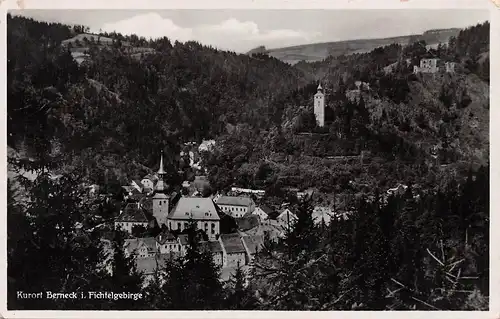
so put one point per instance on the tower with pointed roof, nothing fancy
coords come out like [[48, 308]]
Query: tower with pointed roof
[[160, 199], [319, 106]]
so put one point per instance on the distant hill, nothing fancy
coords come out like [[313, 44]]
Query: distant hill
[[319, 51], [80, 44]]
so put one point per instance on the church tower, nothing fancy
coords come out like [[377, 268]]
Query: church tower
[[160, 199], [319, 106]]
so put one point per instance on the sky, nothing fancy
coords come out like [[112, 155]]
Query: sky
[[243, 30]]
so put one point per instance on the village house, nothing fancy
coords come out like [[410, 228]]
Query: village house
[[236, 207], [137, 184], [322, 215], [286, 218], [198, 209], [147, 266], [263, 212], [167, 243], [252, 244], [132, 215], [149, 181], [233, 249], [183, 240], [140, 247]]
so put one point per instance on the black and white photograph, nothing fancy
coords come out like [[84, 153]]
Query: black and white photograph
[[248, 159]]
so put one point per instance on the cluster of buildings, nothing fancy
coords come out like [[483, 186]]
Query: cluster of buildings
[[150, 204], [434, 65], [227, 251]]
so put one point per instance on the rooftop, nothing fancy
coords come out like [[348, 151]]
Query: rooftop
[[212, 246], [232, 243], [253, 243], [184, 239], [148, 265], [164, 236], [196, 208], [132, 213], [234, 201]]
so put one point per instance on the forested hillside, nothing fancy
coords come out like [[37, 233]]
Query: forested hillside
[[115, 109]]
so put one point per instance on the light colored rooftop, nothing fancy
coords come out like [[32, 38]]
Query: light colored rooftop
[[196, 208]]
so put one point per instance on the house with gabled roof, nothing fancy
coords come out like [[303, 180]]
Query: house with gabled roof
[[233, 249], [252, 244], [149, 181], [132, 215], [140, 247], [201, 210], [137, 184], [183, 240], [167, 243], [287, 218], [322, 214], [263, 212], [236, 206]]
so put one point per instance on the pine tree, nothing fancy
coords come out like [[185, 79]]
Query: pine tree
[[240, 295], [124, 275]]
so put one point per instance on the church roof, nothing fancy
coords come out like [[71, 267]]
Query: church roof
[[234, 201], [132, 213], [196, 208], [232, 243]]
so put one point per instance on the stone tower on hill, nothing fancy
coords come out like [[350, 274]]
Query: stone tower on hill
[[319, 106]]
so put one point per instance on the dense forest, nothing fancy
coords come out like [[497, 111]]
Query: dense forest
[[105, 120]]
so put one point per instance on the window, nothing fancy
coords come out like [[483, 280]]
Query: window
[[170, 225], [160, 203], [178, 225], [185, 225], [206, 226], [213, 228]]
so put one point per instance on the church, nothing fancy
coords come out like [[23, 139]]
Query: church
[[158, 205]]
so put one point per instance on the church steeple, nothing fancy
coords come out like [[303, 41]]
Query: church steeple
[[160, 185], [320, 88], [161, 171]]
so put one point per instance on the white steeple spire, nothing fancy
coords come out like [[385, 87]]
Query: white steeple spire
[[161, 171], [319, 87]]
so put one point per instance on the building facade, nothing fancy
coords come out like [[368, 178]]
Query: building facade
[[132, 215], [236, 207], [233, 249], [319, 107], [427, 66]]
